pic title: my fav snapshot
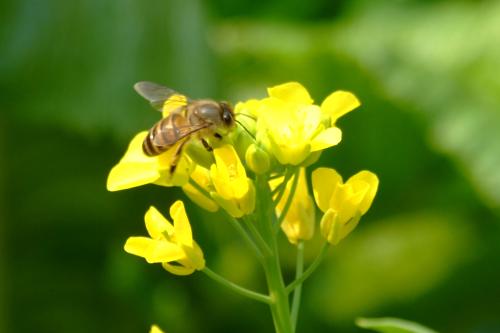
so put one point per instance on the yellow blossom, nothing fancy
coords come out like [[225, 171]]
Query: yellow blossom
[[298, 223], [199, 187], [171, 245], [155, 329], [233, 190], [291, 126], [136, 168], [342, 203]]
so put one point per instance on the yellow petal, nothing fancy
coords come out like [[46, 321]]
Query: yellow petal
[[338, 104], [291, 92], [156, 224], [289, 152], [219, 182], [128, 175], [368, 181], [135, 168], [299, 221], [154, 251], [182, 228], [182, 172], [325, 181], [307, 121], [247, 203], [330, 228], [348, 227], [250, 107], [155, 329], [327, 138], [194, 257], [229, 177]]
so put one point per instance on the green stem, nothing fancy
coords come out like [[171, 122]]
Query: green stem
[[233, 286], [279, 305], [279, 299], [277, 175], [282, 187], [297, 282], [244, 234], [298, 291], [278, 188], [258, 237], [289, 200], [199, 188]]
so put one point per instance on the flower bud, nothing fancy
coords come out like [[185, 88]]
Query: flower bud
[[257, 159]]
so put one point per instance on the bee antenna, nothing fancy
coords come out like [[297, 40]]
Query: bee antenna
[[246, 130], [246, 115]]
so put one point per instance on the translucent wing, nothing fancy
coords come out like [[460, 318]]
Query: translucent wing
[[159, 96]]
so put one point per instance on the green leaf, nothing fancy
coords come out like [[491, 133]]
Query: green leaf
[[392, 325]]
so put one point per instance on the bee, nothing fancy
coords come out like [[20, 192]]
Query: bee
[[187, 120]]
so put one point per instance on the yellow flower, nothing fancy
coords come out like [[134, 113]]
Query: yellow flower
[[136, 168], [342, 203], [292, 127], [199, 188], [299, 221], [233, 190], [155, 329], [171, 245]]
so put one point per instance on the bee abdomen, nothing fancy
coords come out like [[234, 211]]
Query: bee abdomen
[[149, 148], [160, 137]]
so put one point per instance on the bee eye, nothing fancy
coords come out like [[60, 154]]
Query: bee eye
[[226, 117]]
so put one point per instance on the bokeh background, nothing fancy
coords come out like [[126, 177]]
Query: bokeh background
[[427, 73]]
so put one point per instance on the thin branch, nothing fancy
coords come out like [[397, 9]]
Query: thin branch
[[297, 282], [299, 269], [236, 288]]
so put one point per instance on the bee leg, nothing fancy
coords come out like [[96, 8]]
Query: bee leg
[[206, 145], [218, 136], [177, 156]]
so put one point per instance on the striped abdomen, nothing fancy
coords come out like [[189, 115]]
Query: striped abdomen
[[164, 134]]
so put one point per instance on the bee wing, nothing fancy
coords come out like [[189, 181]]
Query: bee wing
[[173, 129], [159, 95]]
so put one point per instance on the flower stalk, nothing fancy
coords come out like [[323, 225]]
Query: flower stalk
[[299, 280], [236, 288], [280, 308], [299, 269]]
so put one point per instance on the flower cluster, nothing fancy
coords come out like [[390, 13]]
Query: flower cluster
[[277, 139]]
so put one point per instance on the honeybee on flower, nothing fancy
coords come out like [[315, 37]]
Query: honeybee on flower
[[256, 173]]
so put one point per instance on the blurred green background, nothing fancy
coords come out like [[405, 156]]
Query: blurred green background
[[427, 73]]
